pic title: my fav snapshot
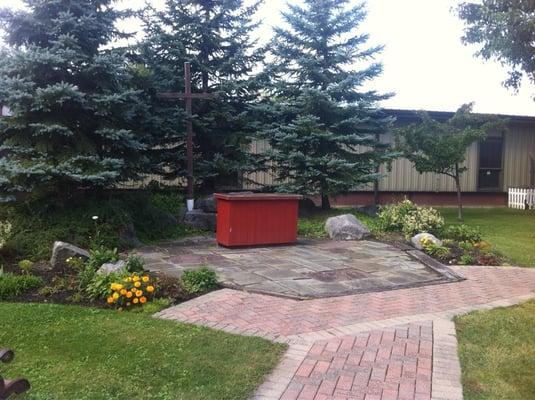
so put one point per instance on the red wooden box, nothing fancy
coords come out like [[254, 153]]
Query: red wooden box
[[249, 219]]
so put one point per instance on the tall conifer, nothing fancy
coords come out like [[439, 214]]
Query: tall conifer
[[324, 135], [215, 37], [74, 119]]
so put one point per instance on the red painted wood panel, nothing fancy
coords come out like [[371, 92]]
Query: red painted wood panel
[[256, 219]]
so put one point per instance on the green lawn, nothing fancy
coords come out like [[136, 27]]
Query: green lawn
[[70, 352], [497, 352], [512, 232]]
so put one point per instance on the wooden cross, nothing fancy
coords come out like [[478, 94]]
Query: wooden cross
[[188, 96]]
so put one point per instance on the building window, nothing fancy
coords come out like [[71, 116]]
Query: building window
[[490, 163]]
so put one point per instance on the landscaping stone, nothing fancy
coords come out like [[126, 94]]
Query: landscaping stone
[[62, 250], [371, 210], [207, 204], [306, 207], [108, 268], [416, 240], [346, 227], [199, 219]]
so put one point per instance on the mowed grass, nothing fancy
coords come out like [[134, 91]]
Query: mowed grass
[[511, 231], [70, 352], [497, 352]]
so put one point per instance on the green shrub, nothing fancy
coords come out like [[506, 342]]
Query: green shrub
[[99, 287], [36, 224], [100, 256], [434, 250], [12, 285], [197, 281], [135, 263], [410, 219], [26, 266], [463, 233], [466, 259]]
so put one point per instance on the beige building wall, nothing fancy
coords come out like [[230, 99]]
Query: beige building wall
[[402, 177], [519, 157]]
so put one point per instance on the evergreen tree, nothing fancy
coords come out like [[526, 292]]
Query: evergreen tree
[[214, 36], [324, 138], [74, 117]]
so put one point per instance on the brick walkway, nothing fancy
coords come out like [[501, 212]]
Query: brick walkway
[[386, 345]]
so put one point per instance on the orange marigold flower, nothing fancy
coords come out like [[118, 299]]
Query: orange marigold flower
[[110, 300], [135, 301], [139, 293], [129, 294], [143, 300]]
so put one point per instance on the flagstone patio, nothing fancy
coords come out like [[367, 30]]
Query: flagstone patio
[[309, 269]]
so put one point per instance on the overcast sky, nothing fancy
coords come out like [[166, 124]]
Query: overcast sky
[[425, 63]]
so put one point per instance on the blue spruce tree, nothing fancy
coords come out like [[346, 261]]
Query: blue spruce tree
[[74, 120], [324, 130]]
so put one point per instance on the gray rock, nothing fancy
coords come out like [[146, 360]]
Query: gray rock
[[62, 250], [371, 210], [306, 207], [416, 240], [346, 227], [108, 268], [199, 219], [207, 204]]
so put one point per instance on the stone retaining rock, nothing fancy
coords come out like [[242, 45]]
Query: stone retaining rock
[[416, 240], [62, 250], [346, 227]]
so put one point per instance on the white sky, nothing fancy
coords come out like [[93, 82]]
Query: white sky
[[425, 63]]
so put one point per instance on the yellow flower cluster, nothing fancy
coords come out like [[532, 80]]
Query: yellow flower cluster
[[134, 290]]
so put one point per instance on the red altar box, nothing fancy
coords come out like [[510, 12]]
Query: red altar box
[[250, 219]]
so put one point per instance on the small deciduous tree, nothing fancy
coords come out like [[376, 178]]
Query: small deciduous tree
[[440, 147]]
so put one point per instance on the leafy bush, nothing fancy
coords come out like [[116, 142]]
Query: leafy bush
[[100, 256], [410, 218], [130, 291], [36, 224], [466, 259], [463, 233], [197, 281], [100, 285], [12, 285], [135, 264], [25, 266], [434, 250]]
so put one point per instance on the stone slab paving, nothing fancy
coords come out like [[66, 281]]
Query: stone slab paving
[[313, 269], [385, 345]]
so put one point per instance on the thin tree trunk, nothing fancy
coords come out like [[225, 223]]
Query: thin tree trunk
[[459, 197], [325, 203]]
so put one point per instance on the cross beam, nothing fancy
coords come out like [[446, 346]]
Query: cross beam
[[188, 96]]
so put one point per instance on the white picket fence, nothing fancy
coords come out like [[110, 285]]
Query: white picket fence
[[522, 198]]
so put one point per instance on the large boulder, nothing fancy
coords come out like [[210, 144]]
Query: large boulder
[[416, 240], [199, 219], [346, 227], [111, 267], [62, 251]]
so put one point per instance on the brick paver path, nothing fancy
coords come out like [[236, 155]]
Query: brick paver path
[[386, 345]]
